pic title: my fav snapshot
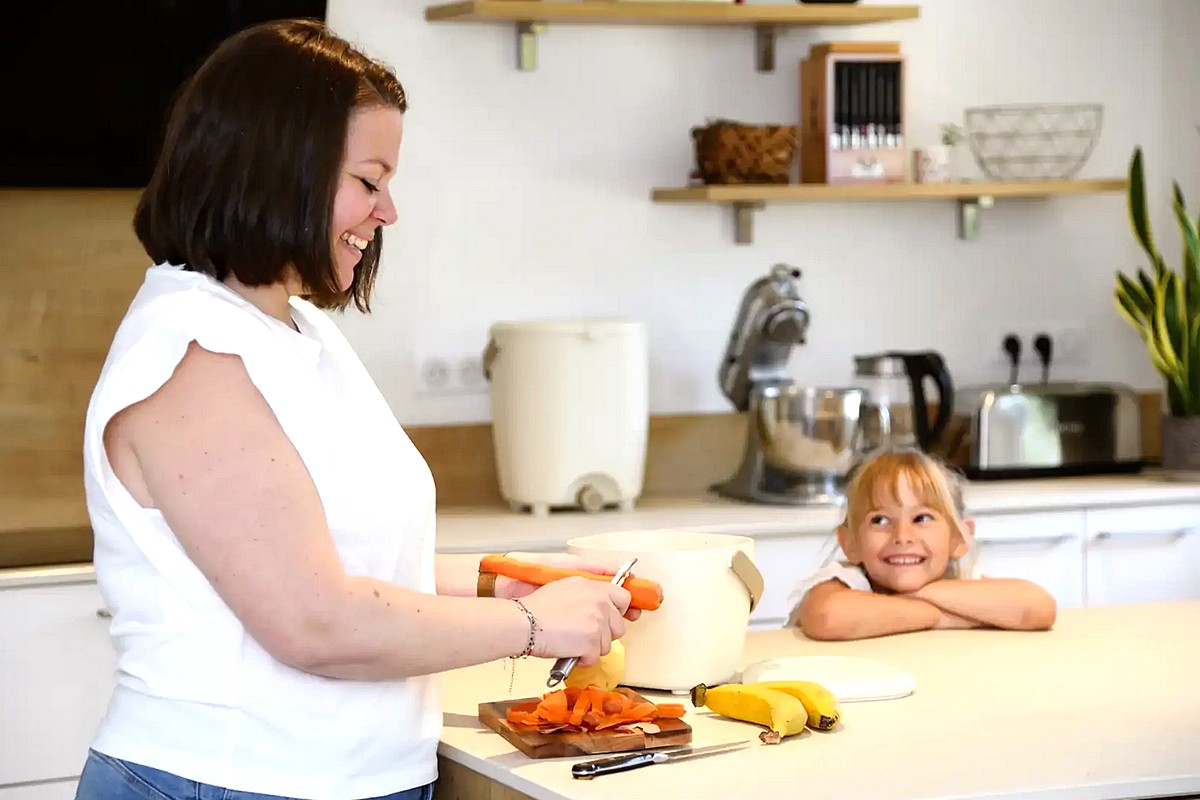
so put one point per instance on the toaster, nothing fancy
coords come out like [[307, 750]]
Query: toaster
[[1044, 429]]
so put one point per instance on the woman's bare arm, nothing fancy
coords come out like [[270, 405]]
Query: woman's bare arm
[[1008, 603], [208, 452], [832, 610]]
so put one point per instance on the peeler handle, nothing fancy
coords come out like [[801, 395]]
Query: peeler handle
[[561, 669]]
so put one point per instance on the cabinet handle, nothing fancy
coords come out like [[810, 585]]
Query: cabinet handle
[[1161, 533], [1048, 539], [103, 613]]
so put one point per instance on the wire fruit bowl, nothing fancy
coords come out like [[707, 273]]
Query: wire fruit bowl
[[1032, 142]]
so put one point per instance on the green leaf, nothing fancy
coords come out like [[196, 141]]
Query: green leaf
[[1193, 393], [1147, 284], [1141, 302], [1128, 309], [1139, 216], [1163, 315], [1191, 252]]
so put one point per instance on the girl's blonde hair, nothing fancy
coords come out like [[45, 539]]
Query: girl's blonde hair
[[876, 480]]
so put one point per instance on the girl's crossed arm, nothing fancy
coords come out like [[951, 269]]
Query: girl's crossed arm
[[832, 610], [1009, 603]]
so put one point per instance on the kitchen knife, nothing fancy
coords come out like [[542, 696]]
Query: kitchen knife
[[563, 666], [587, 770]]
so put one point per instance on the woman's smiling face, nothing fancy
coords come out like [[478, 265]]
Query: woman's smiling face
[[363, 201]]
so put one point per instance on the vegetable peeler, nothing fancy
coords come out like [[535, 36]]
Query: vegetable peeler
[[563, 666]]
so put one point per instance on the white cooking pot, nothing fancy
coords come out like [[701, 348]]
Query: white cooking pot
[[710, 586]]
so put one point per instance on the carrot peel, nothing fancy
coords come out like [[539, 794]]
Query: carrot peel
[[574, 710]]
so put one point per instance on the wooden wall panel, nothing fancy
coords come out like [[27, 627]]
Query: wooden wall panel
[[69, 265]]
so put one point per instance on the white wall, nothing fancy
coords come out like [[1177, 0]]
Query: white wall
[[527, 194]]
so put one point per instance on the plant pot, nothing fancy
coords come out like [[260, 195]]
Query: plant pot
[[932, 164], [1181, 447]]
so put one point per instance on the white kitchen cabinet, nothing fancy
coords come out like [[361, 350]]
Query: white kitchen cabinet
[[1143, 554], [50, 790], [784, 562], [1043, 547], [58, 668]]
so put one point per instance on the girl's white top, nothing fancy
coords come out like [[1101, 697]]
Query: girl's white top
[[195, 694]]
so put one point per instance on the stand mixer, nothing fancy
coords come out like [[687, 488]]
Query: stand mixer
[[800, 441]]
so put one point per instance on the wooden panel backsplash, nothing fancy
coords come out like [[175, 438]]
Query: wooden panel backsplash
[[69, 265]]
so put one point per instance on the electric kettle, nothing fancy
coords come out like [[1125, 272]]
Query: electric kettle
[[895, 410]]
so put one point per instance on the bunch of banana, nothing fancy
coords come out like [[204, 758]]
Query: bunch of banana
[[784, 707], [822, 707]]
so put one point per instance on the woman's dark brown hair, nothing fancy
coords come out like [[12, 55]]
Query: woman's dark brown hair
[[251, 157]]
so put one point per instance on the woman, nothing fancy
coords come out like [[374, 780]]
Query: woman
[[264, 528]]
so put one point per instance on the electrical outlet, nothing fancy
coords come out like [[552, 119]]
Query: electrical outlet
[[1069, 343], [451, 374]]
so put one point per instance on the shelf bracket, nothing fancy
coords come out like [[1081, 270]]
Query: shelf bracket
[[968, 215], [764, 47], [743, 220], [527, 33]]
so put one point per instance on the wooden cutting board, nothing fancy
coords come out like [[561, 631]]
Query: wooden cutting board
[[562, 744]]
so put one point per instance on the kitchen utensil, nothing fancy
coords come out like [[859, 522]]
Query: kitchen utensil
[[559, 744], [710, 586], [896, 412], [1034, 141], [850, 679], [1044, 430], [811, 434], [853, 97], [797, 438], [800, 444], [570, 412], [563, 666], [604, 766]]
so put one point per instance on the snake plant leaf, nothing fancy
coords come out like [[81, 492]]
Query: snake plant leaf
[[1128, 309], [1147, 284], [1138, 214], [1191, 252], [1141, 304], [1163, 316], [1181, 329], [1192, 400]]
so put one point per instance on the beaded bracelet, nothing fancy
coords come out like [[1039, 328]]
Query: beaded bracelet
[[533, 629]]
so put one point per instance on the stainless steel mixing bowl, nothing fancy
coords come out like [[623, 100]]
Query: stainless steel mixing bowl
[[809, 430]]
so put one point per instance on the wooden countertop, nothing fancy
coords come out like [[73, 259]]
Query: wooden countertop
[[1106, 705]]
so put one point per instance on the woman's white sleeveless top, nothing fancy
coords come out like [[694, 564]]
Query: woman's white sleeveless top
[[195, 694]]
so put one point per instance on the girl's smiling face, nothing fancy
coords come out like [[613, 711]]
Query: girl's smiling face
[[903, 542]]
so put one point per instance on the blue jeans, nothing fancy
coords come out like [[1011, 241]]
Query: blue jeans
[[108, 778]]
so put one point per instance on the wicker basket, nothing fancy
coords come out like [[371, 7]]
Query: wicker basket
[[731, 152]]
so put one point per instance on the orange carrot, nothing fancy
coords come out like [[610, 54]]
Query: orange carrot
[[644, 594]]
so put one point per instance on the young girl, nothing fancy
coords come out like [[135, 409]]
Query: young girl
[[907, 540]]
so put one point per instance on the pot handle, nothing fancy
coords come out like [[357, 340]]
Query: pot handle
[[750, 577]]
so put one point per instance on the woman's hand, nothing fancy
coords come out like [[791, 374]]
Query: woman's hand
[[577, 617], [509, 588]]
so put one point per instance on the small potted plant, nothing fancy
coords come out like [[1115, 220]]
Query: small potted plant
[[937, 162], [1163, 306], [952, 137]]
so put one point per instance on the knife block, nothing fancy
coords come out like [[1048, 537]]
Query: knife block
[[852, 102]]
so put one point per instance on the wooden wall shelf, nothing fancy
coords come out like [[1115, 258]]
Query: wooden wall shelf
[[970, 196], [531, 16]]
